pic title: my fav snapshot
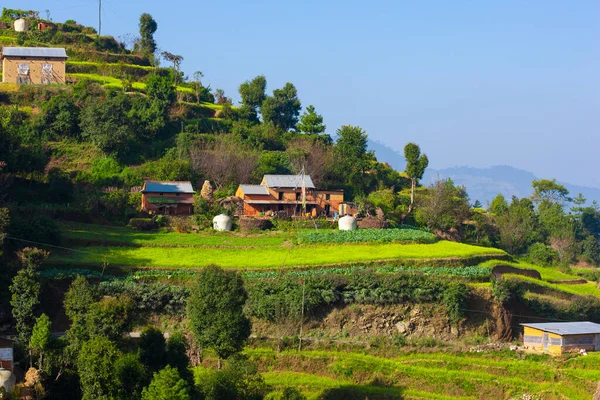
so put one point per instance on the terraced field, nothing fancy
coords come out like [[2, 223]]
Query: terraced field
[[123, 247], [435, 375]]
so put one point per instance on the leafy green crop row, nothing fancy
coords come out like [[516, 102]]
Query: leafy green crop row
[[368, 235]]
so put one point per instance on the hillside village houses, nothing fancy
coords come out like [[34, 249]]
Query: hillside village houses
[[33, 65], [282, 195]]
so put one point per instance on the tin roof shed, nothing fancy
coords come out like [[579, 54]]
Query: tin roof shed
[[567, 328], [287, 181]]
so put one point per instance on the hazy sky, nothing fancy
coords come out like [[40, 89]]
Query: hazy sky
[[475, 83]]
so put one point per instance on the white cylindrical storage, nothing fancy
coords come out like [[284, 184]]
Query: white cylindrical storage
[[222, 222], [347, 223], [21, 25], [7, 380]]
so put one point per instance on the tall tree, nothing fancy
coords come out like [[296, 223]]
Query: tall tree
[[41, 338], [147, 27], [96, 367], [416, 163], [549, 190], [25, 291], [311, 122], [518, 226], [215, 309], [176, 60], [282, 108], [352, 157], [499, 205], [253, 95]]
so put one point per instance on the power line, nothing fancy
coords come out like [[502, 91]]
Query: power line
[[54, 246]]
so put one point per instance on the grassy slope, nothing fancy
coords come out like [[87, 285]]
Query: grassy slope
[[432, 375]]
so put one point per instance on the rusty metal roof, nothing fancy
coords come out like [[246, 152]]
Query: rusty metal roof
[[566, 328], [43, 52]]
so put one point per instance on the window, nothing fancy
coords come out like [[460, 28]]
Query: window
[[46, 80], [23, 69], [280, 195], [298, 196], [47, 69], [161, 194], [176, 194], [22, 80], [327, 197]]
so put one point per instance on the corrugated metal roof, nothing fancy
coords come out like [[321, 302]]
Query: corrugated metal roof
[[254, 189], [168, 187], [567, 328], [288, 181], [45, 52], [278, 202]]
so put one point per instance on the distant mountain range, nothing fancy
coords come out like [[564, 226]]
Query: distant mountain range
[[482, 184]]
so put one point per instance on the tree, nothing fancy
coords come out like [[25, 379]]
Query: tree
[[160, 89], [78, 298], [221, 98], [198, 75], [416, 163], [549, 190], [315, 156], [132, 376], [109, 318], [25, 291], [499, 205], [445, 207], [108, 125], [96, 366], [291, 393], [477, 204], [153, 349], [282, 108], [311, 122], [167, 384], [253, 95], [176, 353], [41, 337], [352, 157], [215, 309], [176, 60], [147, 27], [60, 118], [518, 226]]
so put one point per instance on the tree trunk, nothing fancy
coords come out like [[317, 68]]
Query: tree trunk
[[219, 363]]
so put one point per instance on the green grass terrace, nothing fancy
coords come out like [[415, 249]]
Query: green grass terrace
[[97, 244]]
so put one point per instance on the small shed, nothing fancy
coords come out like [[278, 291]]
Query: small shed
[[562, 337], [6, 354], [168, 197]]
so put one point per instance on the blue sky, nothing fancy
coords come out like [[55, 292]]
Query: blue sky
[[476, 83]]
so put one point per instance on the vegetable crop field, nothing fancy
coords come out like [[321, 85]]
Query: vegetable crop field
[[368, 235]]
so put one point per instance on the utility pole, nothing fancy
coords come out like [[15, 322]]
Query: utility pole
[[99, 17]]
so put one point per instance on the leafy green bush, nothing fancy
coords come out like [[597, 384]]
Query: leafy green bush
[[149, 297], [368, 235], [539, 253], [507, 289], [455, 299], [282, 224]]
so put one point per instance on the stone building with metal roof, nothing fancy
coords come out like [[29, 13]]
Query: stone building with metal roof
[[168, 197], [282, 195], [33, 65], [561, 337]]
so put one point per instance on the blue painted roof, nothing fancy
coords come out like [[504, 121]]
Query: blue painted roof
[[567, 328], [45, 52], [168, 187]]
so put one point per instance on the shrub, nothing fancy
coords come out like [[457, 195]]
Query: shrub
[[455, 298], [142, 224], [507, 289], [541, 254]]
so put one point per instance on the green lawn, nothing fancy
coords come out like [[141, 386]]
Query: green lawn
[[432, 375], [268, 257]]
